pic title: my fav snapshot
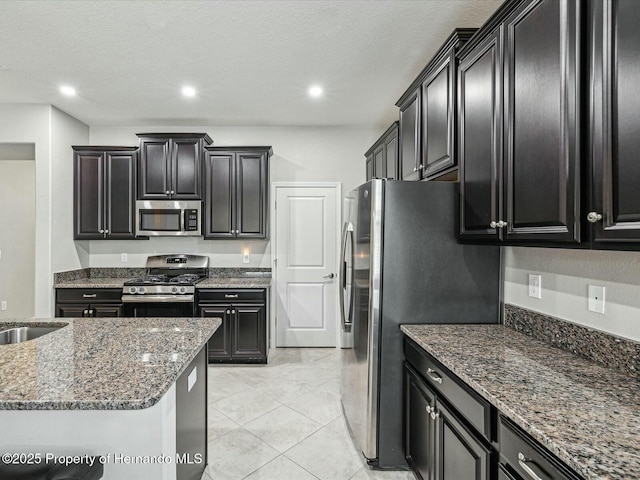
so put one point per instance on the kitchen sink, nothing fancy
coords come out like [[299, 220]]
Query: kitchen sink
[[23, 334]]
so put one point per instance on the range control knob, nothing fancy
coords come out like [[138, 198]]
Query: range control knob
[[174, 289], [133, 289], [141, 290], [182, 289]]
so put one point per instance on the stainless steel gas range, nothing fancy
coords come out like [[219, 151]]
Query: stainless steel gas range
[[167, 289]]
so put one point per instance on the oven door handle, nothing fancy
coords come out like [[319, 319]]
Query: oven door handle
[[157, 298]]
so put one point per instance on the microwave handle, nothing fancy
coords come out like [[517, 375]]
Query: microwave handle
[[183, 223]]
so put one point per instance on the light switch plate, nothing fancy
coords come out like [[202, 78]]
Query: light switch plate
[[245, 258], [3, 307], [535, 285], [124, 258], [596, 298]]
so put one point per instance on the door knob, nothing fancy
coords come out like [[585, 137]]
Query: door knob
[[331, 275]]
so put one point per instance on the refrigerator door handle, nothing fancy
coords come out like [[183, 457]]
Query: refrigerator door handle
[[347, 242]]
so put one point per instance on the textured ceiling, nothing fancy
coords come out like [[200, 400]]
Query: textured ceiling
[[250, 61]]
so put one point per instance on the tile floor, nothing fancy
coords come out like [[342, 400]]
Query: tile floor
[[283, 421]]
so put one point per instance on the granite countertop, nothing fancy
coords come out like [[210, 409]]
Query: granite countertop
[[214, 282], [99, 364], [586, 414]]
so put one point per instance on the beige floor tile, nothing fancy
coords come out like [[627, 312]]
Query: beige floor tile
[[366, 473], [327, 454], [236, 454], [223, 385], [282, 428], [218, 424], [246, 406], [281, 468], [321, 406]]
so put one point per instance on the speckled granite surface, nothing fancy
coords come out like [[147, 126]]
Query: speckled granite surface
[[99, 364], [615, 352], [242, 282], [110, 282], [586, 414]]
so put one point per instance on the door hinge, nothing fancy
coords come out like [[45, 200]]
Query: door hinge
[[275, 262], [275, 205]]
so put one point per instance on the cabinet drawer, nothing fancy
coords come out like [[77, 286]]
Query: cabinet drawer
[[88, 295], [527, 457], [476, 410], [232, 295]]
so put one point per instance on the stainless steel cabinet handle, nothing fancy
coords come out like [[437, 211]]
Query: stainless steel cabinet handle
[[227, 295], [331, 275], [433, 375], [522, 460], [89, 295], [593, 217]]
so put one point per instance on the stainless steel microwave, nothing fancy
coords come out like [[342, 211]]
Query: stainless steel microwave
[[168, 218]]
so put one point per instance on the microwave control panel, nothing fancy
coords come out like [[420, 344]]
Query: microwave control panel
[[191, 219]]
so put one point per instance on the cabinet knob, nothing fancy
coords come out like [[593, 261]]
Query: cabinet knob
[[228, 312], [90, 312], [101, 231], [106, 232], [233, 312], [501, 224], [172, 192], [593, 217], [434, 414], [493, 224], [85, 313], [421, 167], [428, 408], [167, 192], [415, 169]]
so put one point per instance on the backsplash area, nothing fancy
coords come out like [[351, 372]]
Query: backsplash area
[[614, 352]]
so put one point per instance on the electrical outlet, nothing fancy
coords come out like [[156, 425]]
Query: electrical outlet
[[124, 258], [4, 305], [596, 299], [245, 258], [535, 286]]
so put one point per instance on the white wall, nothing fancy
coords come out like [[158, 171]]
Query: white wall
[[300, 154], [17, 237], [566, 275], [65, 132]]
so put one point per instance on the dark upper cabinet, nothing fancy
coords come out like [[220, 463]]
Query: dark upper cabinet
[[615, 122], [171, 165], [104, 192], [236, 192], [519, 129], [428, 115], [382, 157], [409, 134], [480, 134]]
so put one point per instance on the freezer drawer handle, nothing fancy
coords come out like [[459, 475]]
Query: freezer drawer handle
[[522, 460], [226, 295], [89, 295], [433, 375]]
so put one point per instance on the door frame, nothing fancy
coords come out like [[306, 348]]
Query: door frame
[[274, 243]]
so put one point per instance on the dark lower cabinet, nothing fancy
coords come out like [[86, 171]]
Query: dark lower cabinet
[[438, 445], [104, 192], [236, 192], [78, 302], [242, 336], [615, 123]]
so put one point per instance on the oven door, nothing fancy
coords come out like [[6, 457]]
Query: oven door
[[158, 306]]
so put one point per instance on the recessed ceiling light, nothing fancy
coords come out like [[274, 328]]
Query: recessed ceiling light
[[67, 90], [188, 91], [315, 91]]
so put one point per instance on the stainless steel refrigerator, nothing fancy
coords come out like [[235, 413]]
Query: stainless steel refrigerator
[[401, 263]]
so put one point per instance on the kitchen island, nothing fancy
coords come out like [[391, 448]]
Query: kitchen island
[[108, 387]]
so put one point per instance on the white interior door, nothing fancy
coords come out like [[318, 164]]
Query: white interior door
[[307, 222]]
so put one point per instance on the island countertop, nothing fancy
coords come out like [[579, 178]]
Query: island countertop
[[99, 364], [586, 414]]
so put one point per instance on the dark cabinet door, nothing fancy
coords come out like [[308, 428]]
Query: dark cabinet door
[[72, 311], [186, 165], [89, 195], [113, 310], [369, 164], [459, 454], [615, 123], [252, 183], [220, 195], [249, 331], [379, 165], [438, 103], [410, 138], [120, 194], [391, 155], [480, 139], [154, 181], [219, 345], [541, 153], [418, 426]]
